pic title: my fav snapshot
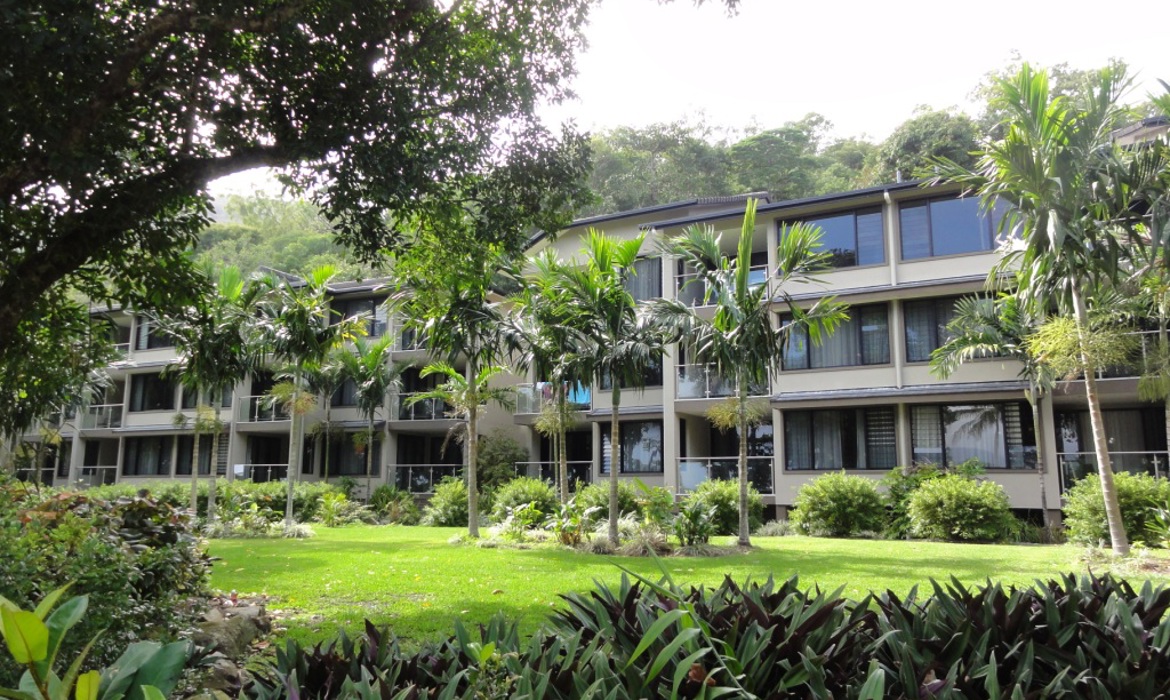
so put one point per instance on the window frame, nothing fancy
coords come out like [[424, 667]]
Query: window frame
[[783, 224], [1025, 427], [861, 422], [859, 329], [989, 223], [137, 397], [625, 454], [165, 465]]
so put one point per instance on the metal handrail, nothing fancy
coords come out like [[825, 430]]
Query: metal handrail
[[580, 470], [1077, 465], [533, 398], [102, 416], [427, 409], [704, 382], [266, 472], [96, 475], [694, 470], [261, 409], [422, 478]]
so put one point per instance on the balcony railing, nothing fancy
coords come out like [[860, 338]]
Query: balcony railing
[[97, 475], [260, 472], [261, 409], [102, 417], [693, 291], [532, 398], [426, 409], [409, 340], [1077, 465], [704, 382], [422, 478], [122, 350], [580, 471], [693, 471]]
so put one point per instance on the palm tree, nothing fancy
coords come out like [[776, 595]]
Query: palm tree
[[1000, 327], [371, 371], [324, 380], [468, 396], [740, 339], [623, 342], [1056, 170], [217, 347], [296, 330]]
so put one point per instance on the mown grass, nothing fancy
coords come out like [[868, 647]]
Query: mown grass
[[414, 580]]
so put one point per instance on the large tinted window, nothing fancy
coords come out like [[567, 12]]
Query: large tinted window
[[641, 447], [948, 226], [148, 456], [926, 326], [852, 238], [150, 392], [997, 435], [370, 311], [862, 340], [862, 438]]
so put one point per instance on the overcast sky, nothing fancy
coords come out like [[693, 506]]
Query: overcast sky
[[864, 65]]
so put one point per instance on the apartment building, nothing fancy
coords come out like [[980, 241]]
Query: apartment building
[[864, 401]]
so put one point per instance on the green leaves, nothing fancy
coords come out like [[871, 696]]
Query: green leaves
[[25, 634]]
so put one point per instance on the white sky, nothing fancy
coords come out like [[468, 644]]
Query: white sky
[[863, 64]]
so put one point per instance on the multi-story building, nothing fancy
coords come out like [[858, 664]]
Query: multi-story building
[[864, 401]]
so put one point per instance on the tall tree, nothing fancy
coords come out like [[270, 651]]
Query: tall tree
[[928, 135], [295, 329], [740, 339], [217, 346], [374, 376], [1056, 171], [783, 162], [323, 380], [623, 342], [1001, 326]]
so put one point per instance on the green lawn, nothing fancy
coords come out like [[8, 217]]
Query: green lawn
[[411, 578]]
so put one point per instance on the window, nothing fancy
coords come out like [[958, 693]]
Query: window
[[651, 376], [346, 394], [641, 447], [998, 435], [644, 280], [148, 336], [369, 310], [346, 460], [852, 238], [759, 442], [926, 326], [148, 456], [150, 392], [862, 340], [946, 227], [188, 399], [862, 438], [187, 451]]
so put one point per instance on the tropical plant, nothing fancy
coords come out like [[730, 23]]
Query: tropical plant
[[723, 496], [569, 522], [395, 505], [958, 508], [374, 376], [839, 505], [522, 491], [740, 340], [1001, 326], [295, 329], [695, 524], [1062, 181], [623, 342], [217, 344], [1140, 496], [323, 380]]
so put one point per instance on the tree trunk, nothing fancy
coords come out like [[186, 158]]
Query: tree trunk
[[745, 527], [294, 455], [1164, 352], [1037, 429], [615, 460], [369, 458], [1117, 536], [214, 475], [328, 432], [195, 460], [563, 443], [472, 452]]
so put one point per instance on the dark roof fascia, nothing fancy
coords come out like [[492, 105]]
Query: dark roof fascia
[[916, 390], [885, 288], [790, 204]]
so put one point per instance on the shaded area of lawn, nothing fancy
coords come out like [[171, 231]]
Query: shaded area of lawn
[[413, 580]]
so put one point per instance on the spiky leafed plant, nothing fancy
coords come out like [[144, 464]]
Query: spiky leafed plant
[[1000, 326], [369, 367], [622, 341], [468, 396], [740, 340], [218, 346], [294, 321], [1060, 175]]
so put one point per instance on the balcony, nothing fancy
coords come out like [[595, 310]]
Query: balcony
[[580, 471], [260, 472], [88, 477], [704, 382], [532, 398], [409, 340], [1077, 465], [122, 350], [693, 292], [102, 417], [260, 409], [422, 478], [693, 471], [426, 409]]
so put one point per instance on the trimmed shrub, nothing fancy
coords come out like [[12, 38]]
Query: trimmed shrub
[[596, 496], [839, 505], [1140, 497], [232, 497], [498, 454], [336, 510], [723, 496], [900, 484], [957, 508], [448, 504], [523, 491], [394, 505]]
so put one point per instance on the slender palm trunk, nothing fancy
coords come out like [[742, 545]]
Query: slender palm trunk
[[369, 457], [563, 442], [472, 451], [1117, 536], [195, 460], [328, 432], [1163, 352], [214, 465], [294, 454], [744, 522], [1041, 463], [615, 460]]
